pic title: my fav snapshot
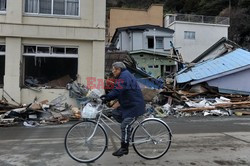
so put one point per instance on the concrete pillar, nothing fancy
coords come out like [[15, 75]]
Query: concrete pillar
[[98, 59], [85, 61], [12, 69]]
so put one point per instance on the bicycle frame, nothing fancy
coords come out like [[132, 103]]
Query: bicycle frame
[[101, 121]]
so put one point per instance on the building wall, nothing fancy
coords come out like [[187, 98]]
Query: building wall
[[132, 41], [120, 17], [86, 31], [233, 82], [205, 36], [146, 60], [137, 42], [214, 53]]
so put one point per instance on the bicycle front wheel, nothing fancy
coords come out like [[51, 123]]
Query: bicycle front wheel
[[151, 139], [85, 142]]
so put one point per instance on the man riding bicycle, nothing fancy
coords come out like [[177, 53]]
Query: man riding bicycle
[[132, 105]]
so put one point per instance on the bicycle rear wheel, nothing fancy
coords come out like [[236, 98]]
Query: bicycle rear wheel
[[151, 139], [82, 144]]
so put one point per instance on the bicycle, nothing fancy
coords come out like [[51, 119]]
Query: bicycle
[[87, 140]]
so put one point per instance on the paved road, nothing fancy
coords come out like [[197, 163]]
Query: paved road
[[197, 141]]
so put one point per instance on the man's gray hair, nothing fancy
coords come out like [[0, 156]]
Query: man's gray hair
[[120, 65]]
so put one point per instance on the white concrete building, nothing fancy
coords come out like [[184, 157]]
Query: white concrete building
[[47, 40], [195, 33]]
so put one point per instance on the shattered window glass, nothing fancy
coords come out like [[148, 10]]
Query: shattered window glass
[[71, 50], [43, 50], [58, 50], [30, 49]]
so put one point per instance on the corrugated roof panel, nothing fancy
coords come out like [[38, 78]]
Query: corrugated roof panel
[[230, 61]]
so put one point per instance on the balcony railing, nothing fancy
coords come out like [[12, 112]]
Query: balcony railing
[[199, 19]]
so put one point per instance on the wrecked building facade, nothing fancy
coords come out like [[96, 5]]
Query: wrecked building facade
[[228, 73], [48, 43], [149, 45]]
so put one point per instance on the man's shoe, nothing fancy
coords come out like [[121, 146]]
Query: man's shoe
[[120, 152], [123, 150]]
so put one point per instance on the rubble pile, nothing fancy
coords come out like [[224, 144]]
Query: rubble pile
[[169, 101], [196, 101], [34, 114], [47, 112]]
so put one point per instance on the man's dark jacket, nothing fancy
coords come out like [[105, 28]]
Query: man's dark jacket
[[129, 95]]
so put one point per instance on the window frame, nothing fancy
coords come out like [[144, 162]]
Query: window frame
[[51, 54], [159, 37], [4, 11], [52, 11], [190, 35]]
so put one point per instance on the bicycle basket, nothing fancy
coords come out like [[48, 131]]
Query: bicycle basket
[[89, 111]]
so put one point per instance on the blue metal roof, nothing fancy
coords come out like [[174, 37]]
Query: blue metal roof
[[234, 60]]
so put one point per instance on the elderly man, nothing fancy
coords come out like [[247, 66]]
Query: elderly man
[[132, 105]]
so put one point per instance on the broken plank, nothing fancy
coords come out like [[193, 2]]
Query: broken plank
[[197, 109]]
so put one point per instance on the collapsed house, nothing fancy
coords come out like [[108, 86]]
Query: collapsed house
[[144, 79], [229, 73]]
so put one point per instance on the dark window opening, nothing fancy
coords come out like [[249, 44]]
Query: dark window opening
[[2, 5], [2, 69], [150, 42], [58, 50], [52, 72], [156, 66], [2, 48], [71, 50], [43, 50], [168, 69]]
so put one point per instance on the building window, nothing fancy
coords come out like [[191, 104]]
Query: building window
[[51, 51], [2, 63], [189, 35], [159, 42], [150, 42], [156, 66], [2, 5], [53, 7], [150, 66], [51, 66]]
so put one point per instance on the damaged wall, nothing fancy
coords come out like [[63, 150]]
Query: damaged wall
[[12, 68], [236, 83], [86, 32], [28, 95]]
